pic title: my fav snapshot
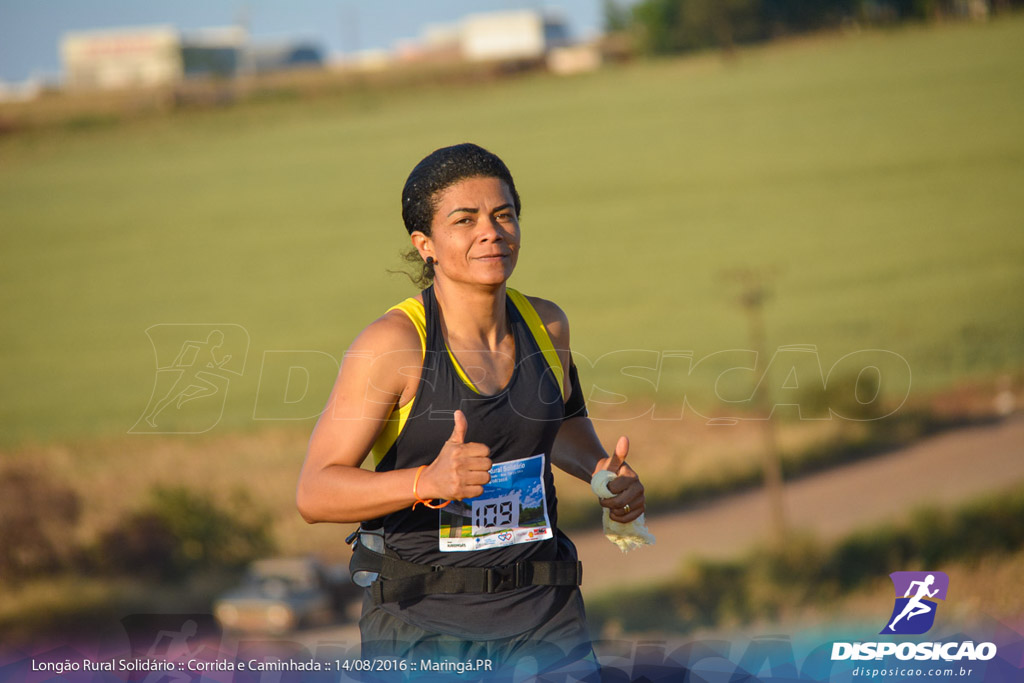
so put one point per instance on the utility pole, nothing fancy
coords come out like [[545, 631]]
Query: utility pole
[[754, 292], [350, 29], [243, 20]]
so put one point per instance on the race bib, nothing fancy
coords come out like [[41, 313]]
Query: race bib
[[512, 509]]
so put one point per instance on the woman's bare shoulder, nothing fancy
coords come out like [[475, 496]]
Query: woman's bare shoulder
[[390, 333], [554, 319]]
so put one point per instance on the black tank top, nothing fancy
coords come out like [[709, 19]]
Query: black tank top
[[516, 517]]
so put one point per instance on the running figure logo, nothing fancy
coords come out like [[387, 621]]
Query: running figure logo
[[914, 612], [193, 367]]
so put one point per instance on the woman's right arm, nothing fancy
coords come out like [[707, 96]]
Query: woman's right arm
[[381, 368]]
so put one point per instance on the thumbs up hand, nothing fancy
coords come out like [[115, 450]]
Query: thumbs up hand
[[460, 470], [627, 501], [622, 496], [459, 430]]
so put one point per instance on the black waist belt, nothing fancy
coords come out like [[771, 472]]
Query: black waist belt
[[400, 580]]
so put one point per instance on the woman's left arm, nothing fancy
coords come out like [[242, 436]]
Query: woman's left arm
[[577, 449]]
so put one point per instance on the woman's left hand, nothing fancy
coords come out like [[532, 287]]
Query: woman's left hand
[[628, 502]]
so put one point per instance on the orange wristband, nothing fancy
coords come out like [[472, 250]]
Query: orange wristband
[[419, 500]]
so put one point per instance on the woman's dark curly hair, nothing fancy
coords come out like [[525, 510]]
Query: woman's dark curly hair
[[438, 171]]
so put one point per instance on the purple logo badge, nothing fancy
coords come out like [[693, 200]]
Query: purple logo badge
[[916, 596]]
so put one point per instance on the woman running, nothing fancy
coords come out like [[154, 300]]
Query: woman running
[[465, 396]]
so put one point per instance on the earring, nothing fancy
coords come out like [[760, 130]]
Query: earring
[[431, 262]]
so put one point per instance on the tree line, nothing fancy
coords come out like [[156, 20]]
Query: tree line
[[672, 26]]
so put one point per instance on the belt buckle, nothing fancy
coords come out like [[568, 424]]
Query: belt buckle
[[502, 578]]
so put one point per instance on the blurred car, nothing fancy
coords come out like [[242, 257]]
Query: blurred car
[[279, 595]]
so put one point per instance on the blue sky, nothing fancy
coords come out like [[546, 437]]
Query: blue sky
[[30, 30]]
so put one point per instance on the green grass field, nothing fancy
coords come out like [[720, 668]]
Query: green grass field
[[879, 174]]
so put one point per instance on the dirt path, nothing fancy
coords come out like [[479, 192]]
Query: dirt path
[[946, 469]]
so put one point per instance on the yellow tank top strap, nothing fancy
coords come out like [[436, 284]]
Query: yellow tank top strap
[[392, 428], [412, 308], [540, 334]]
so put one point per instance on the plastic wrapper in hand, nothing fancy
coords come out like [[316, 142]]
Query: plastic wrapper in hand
[[627, 536]]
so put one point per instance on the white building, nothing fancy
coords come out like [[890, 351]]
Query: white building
[[513, 35], [122, 58], [161, 55]]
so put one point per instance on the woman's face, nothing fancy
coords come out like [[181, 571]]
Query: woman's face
[[475, 232]]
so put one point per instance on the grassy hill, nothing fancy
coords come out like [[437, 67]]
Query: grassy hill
[[878, 174]]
